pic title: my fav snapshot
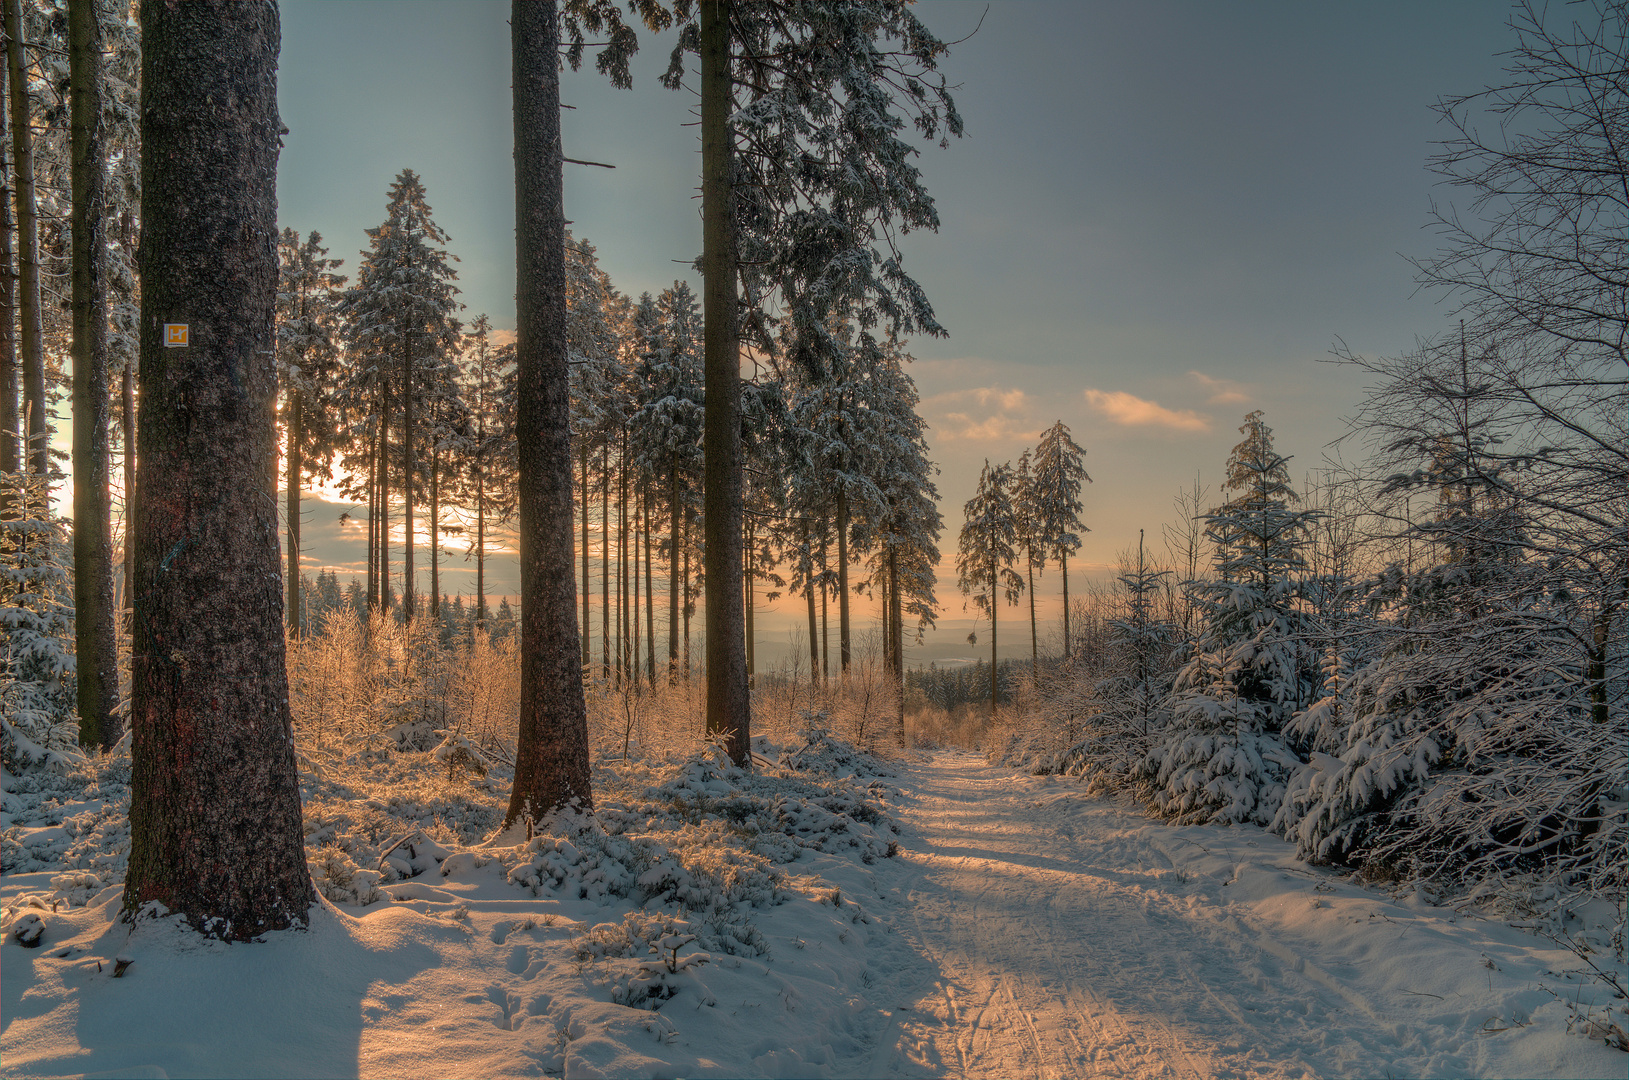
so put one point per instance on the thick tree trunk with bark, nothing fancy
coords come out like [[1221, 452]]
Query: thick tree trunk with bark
[[587, 638], [96, 640], [551, 760], [215, 801], [729, 707], [31, 338]]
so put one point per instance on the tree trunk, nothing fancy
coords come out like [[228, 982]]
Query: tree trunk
[[31, 339], [685, 540], [127, 418], [373, 527], [384, 500], [1063, 564], [825, 633], [551, 760], [435, 534], [844, 642], [748, 573], [995, 598], [480, 534], [623, 635], [293, 472], [96, 640], [729, 707], [809, 599], [896, 651], [11, 454], [1034, 633], [605, 560], [409, 585], [215, 823], [650, 598], [587, 638], [673, 573]]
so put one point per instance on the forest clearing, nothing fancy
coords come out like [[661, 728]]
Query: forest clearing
[[502, 652]]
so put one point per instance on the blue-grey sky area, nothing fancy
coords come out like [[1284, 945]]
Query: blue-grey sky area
[[1162, 216]]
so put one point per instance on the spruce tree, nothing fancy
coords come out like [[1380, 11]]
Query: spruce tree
[[1255, 665], [804, 184], [307, 368], [987, 549], [402, 331], [1057, 473]]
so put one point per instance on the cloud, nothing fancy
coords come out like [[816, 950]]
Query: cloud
[[982, 414], [1133, 411], [1222, 391]]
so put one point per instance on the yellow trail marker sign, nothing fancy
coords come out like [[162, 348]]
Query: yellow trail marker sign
[[175, 335]]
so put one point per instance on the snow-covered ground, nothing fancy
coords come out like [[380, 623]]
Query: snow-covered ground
[[1008, 927]]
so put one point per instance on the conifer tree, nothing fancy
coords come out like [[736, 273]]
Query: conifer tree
[[1228, 752], [402, 331], [307, 367], [987, 549], [1057, 473], [804, 183], [487, 488]]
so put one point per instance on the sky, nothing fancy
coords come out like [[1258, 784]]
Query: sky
[[1162, 216]]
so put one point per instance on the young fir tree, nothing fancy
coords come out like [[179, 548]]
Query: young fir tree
[[987, 550], [215, 821], [308, 294], [1227, 753], [1057, 471], [401, 332]]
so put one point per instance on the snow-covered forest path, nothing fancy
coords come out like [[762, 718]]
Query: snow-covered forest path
[[1043, 934]]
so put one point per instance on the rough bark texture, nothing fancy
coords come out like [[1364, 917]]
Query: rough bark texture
[[31, 340], [95, 632], [729, 707], [215, 802], [551, 762]]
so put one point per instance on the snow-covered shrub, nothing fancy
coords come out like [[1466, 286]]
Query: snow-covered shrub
[[339, 879], [640, 957], [38, 725]]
